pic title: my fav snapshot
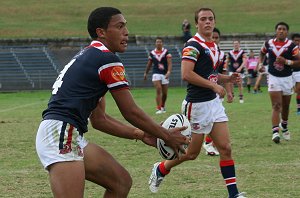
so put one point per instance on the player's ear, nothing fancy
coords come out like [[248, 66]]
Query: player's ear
[[100, 32]]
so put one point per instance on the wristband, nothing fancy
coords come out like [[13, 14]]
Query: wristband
[[289, 62]]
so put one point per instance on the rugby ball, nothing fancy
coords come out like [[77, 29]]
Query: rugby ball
[[175, 120]]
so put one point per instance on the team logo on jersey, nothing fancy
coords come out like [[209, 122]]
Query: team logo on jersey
[[195, 126], [189, 52], [213, 78], [118, 73]]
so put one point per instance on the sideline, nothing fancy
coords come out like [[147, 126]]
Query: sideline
[[21, 106]]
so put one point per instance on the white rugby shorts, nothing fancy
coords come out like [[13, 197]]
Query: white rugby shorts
[[160, 77], [296, 76], [58, 141], [203, 115], [284, 84]]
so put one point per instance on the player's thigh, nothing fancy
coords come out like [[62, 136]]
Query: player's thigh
[[164, 89], [297, 87], [195, 145], [102, 169], [220, 134], [67, 179], [276, 97]]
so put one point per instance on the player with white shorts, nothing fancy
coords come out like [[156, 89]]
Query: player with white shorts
[[56, 140], [203, 115], [160, 77], [284, 84]]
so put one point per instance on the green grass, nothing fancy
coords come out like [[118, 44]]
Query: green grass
[[263, 168], [64, 19]]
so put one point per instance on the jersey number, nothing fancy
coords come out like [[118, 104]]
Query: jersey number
[[59, 80]]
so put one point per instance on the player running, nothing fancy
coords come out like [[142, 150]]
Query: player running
[[202, 106], [282, 52]]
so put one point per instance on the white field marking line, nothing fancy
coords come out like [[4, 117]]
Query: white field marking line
[[21, 106]]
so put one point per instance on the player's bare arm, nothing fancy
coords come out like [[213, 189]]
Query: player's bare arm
[[138, 118], [291, 63], [105, 123], [148, 67], [169, 60]]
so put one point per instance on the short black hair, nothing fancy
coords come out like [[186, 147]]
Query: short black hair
[[282, 23], [217, 30], [203, 9], [159, 38], [295, 35], [100, 18]]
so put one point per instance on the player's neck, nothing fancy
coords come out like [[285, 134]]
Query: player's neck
[[206, 37]]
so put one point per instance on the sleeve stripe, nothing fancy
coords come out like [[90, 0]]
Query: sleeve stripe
[[109, 65], [189, 58], [117, 84]]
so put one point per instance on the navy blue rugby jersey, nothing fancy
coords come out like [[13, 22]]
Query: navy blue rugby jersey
[[286, 49], [205, 55], [222, 60], [82, 82], [159, 60], [235, 60]]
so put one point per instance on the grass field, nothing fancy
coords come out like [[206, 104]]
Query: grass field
[[264, 169], [57, 19]]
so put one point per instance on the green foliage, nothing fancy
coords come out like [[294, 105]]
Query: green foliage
[[264, 169], [63, 18]]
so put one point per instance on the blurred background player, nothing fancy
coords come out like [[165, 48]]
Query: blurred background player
[[251, 66], [282, 52], [161, 60], [296, 74], [186, 30], [236, 62], [202, 106], [208, 144], [262, 71]]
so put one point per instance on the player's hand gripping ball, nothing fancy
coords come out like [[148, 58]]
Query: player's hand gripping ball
[[175, 120]]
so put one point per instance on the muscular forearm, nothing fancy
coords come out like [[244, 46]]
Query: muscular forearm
[[114, 127]]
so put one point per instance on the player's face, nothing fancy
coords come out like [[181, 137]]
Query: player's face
[[281, 32], [116, 34], [297, 41], [216, 37], [205, 23], [158, 43], [236, 45]]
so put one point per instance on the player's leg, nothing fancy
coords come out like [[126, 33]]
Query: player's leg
[[286, 99], [220, 136], [240, 87], [102, 169], [67, 179], [257, 82], [276, 101], [209, 147], [297, 90], [165, 86], [158, 99], [199, 113], [60, 149], [161, 169], [157, 80], [249, 80]]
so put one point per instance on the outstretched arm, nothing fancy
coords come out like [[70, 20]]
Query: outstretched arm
[[138, 118], [103, 122]]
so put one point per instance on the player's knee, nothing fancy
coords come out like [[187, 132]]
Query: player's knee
[[192, 156], [123, 184], [276, 106], [225, 150]]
